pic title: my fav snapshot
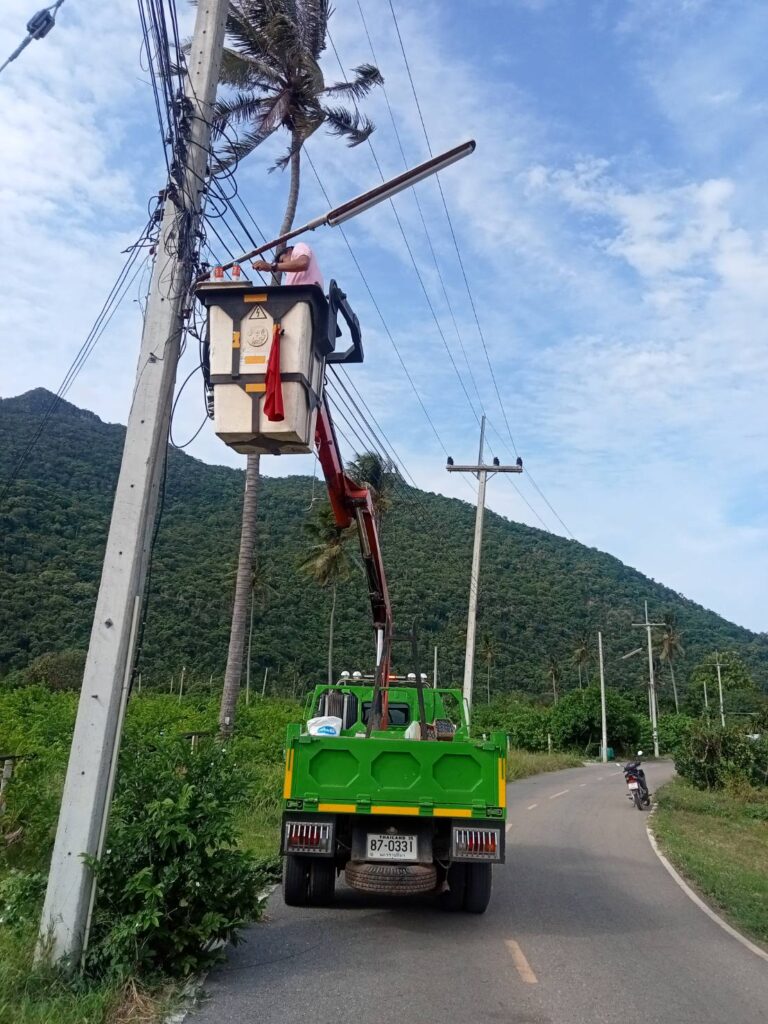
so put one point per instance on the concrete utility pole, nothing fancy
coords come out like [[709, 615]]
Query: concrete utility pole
[[434, 672], [654, 711], [720, 689], [482, 471], [85, 801], [603, 716]]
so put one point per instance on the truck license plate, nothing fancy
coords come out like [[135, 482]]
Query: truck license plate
[[382, 846]]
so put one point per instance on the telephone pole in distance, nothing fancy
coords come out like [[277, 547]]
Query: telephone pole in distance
[[648, 626], [482, 471], [106, 680]]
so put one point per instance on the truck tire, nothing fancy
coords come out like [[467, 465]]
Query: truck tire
[[477, 893], [322, 881], [395, 879], [295, 880], [453, 898]]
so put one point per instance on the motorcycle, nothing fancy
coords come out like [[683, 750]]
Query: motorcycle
[[637, 787]]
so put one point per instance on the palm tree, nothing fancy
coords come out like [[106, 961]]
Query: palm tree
[[553, 671], [272, 67], [370, 470], [328, 562], [671, 648], [488, 652], [581, 656]]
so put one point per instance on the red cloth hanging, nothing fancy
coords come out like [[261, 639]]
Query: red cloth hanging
[[273, 402]]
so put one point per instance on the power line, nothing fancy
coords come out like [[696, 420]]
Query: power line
[[38, 27], [461, 265], [117, 293]]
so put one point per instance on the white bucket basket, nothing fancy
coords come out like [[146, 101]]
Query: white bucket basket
[[242, 321]]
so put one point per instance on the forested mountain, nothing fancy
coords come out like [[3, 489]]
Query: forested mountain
[[539, 593]]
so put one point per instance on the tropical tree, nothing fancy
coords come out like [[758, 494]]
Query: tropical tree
[[328, 562], [370, 470], [581, 656], [488, 653], [271, 66], [553, 671], [671, 649]]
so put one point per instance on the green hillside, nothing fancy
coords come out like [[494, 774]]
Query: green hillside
[[539, 592]]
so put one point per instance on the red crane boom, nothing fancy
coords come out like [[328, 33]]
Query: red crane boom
[[352, 503]]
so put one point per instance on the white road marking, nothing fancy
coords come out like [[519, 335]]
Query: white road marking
[[561, 793], [599, 778], [523, 967], [509, 827], [582, 785], [532, 807], [700, 902]]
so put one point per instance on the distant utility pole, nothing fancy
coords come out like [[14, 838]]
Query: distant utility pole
[[603, 716], [96, 740], [648, 626], [720, 689], [482, 471], [434, 672]]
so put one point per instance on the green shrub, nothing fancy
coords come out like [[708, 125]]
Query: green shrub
[[21, 897], [524, 723], [711, 757], [575, 721], [173, 886], [673, 731]]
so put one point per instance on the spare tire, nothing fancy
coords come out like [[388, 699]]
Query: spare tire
[[395, 879]]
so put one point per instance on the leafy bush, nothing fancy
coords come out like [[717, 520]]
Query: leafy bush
[[525, 723], [673, 731], [711, 757], [172, 884], [21, 896], [575, 721]]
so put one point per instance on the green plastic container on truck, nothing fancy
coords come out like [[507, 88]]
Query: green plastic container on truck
[[394, 811]]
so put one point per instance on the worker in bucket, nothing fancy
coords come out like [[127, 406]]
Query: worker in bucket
[[297, 262]]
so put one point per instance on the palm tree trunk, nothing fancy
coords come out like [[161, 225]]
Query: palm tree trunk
[[579, 675], [330, 638], [248, 529], [674, 688], [488, 683], [243, 585], [293, 196], [554, 688]]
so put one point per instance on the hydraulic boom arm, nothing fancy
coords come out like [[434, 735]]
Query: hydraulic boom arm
[[352, 503]]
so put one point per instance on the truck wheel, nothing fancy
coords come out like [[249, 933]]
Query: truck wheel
[[453, 898], [477, 893], [295, 880], [322, 881]]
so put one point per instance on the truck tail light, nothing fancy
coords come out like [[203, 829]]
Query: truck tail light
[[309, 837], [476, 843]]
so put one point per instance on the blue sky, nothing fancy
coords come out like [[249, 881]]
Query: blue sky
[[613, 222]]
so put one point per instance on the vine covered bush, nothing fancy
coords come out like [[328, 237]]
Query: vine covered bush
[[711, 758]]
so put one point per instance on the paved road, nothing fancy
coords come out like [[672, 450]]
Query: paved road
[[585, 927]]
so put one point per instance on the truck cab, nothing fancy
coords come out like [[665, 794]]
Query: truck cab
[[415, 806]]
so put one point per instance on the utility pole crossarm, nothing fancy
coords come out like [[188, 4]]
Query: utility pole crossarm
[[490, 470]]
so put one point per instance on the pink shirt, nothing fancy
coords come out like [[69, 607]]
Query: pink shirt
[[312, 274]]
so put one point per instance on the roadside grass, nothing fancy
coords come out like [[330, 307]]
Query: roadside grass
[[522, 763], [719, 841], [30, 994]]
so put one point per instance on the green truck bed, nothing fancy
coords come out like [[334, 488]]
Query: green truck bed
[[387, 774]]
